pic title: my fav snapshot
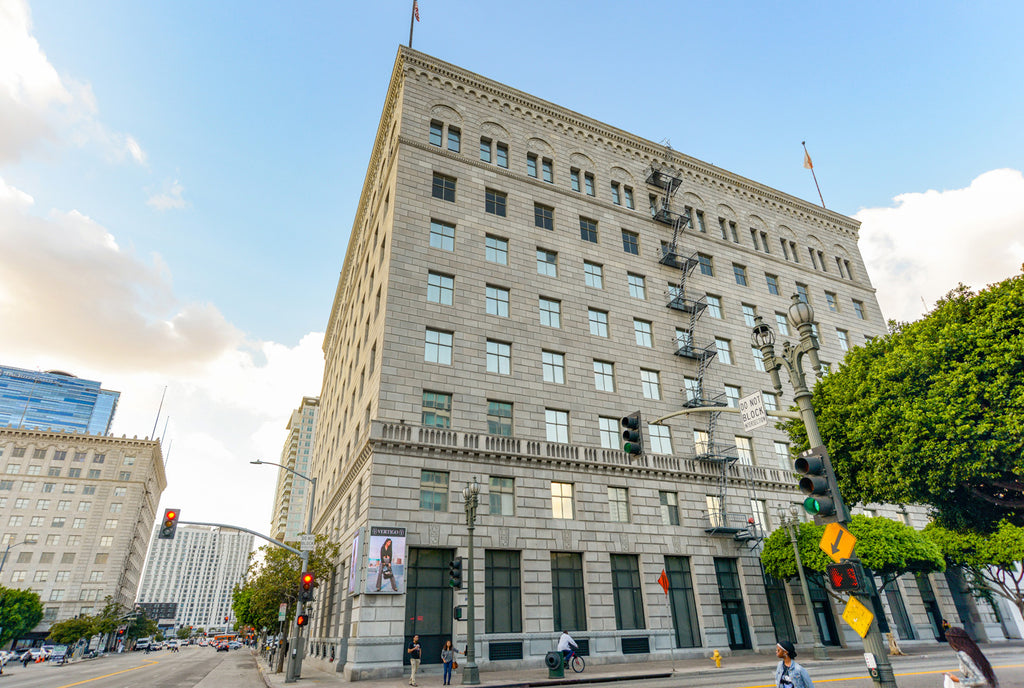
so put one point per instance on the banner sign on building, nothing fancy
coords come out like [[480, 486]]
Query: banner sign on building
[[354, 563], [385, 572]]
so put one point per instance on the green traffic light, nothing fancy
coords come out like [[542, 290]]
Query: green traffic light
[[812, 506]]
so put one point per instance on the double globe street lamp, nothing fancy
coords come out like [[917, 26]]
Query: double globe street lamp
[[471, 673]]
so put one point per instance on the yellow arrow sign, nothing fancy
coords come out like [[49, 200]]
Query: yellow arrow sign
[[858, 616], [837, 542]]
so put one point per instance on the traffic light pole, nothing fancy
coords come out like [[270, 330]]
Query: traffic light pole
[[801, 316]]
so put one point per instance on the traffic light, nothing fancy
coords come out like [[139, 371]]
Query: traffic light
[[225, 619], [455, 573], [457, 613], [633, 435], [845, 577], [302, 619], [819, 484], [306, 587], [169, 524]]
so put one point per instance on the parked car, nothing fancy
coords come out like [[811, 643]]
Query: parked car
[[234, 644]]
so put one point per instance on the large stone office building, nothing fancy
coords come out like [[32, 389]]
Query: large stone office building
[[519, 277]]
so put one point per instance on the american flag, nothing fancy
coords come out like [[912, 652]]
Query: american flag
[[416, 9]]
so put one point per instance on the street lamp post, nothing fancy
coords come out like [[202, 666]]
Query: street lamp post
[[8, 551], [294, 669], [471, 673], [801, 317], [819, 650]]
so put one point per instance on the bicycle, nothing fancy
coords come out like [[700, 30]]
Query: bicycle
[[575, 661]]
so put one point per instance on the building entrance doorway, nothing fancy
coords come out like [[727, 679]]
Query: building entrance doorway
[[428, 602]]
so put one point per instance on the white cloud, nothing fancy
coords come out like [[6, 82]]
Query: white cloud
[[170, 198], [72, 298], [928, 242]]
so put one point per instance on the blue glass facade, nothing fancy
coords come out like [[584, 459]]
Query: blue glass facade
[[54, 401]]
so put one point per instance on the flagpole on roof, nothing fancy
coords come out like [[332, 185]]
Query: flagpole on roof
[[415, 17], [808, 165]]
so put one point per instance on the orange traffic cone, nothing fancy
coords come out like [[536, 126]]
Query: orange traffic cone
[[39, 659]]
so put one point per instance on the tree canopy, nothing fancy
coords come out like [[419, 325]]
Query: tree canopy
[[69, 631], [994, 559], [933, 412], [20, 611], [887, 547], [274, 578]]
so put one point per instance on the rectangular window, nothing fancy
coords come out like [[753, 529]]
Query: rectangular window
[[764, 242], [844, 340], [495, 202], [556, 426], [588, 230], [433, 491], [547, 171], [499, 418], [732, 396], [502, 496], [74, 473], [444, 187], [485, 150], [669, 507], [502, 592], [629, 603], [436, 131], [604, 376], [637, 285], [782, 454], [547, 263], [650, 381], [442, 235], [801, 290], [618, 504], [440, 288], [629, 198], [610, 434], [550, 312], [437, 410], [858, 309], [561, 500], [830, 299], [110, 524], [758, 359], [770, 401], [454, 139], [593, 275], [783, 323], [497, 301], [701, 442], [716, 517], [724, 348], [745, 450], [588, 183], [567, 597], [616, 196], [553, 365], [598, 322], [661, 439], [438, 347], [499, 357], [496, 250], [543, 216], [631, 242], [740, 273], [531, 164], [732, 233], [502, 154], [773, 284], [707, 265], [749, 313], [574, 179], [714, 306], [642, 331]]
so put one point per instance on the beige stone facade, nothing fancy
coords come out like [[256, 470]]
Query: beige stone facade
[[503, 303], [77, 512]]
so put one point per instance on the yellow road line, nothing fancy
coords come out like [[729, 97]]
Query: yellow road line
[[123, 671], [858, 678]]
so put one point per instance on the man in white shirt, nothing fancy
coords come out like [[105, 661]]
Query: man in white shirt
[[565, 641]]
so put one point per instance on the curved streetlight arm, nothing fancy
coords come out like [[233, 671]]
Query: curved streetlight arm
[[8, 551]]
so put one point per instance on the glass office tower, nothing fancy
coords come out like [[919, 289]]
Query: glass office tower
[[54, 401]]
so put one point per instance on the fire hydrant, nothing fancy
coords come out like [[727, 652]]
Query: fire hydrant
[[717, 656]]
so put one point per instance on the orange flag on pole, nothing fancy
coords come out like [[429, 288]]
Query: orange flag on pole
[[808, 165], [663, 581]]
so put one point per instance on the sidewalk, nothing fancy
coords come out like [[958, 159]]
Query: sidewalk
[[741, 664]]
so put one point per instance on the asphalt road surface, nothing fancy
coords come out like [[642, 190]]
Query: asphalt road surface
[[199, 667]]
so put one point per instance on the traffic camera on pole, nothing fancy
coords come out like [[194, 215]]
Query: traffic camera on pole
[[633, 435], [306, 587], [169, 524], [455, 573], [819, 484]]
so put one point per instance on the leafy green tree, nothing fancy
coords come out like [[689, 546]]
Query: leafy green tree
[[184, 632], [887, 547], [933, 412], [20, 612], [69, 631], [274, 578], [994, 562]]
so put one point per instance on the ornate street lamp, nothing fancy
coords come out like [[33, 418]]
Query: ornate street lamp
[[471, 673], [790, 522]]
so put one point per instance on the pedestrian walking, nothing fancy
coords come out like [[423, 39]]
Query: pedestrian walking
[[26, 658], [414, 658], [789, 673], [976, 670]]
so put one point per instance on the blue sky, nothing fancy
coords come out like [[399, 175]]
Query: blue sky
[[185, 174]]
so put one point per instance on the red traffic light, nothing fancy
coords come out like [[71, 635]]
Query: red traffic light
[[307, 581], [301, 620], [169, 524], [171, 514]]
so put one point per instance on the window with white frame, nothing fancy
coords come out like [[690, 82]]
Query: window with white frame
[[668, 505], [724, 348], [550, 312], [496, 249], [732, 396], [661, 439], [438, 347], [499, 357], [745, 450], [497, 301], [561, 500], [547, 262], [637, 286], [758, 358], [642, 331], [556, 425], [553, 366], [604, 376], [598, 322], [650, 381], [618, 504], [440, 288], [610, 435], [593, 275], [771, 402]]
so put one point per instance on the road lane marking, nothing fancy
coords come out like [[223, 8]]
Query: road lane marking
[[123, 671]]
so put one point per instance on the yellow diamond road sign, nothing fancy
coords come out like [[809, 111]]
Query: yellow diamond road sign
[[837, 542], [858, 616]]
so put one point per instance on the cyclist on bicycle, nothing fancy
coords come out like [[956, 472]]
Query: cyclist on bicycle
[[565, 641]]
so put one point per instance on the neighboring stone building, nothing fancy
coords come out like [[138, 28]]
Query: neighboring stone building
[[519, 277], [76, 512], [291, 498], [197, 570], [54, 401]]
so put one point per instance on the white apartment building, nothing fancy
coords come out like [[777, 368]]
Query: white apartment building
[[198, 569], [291, 497]]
